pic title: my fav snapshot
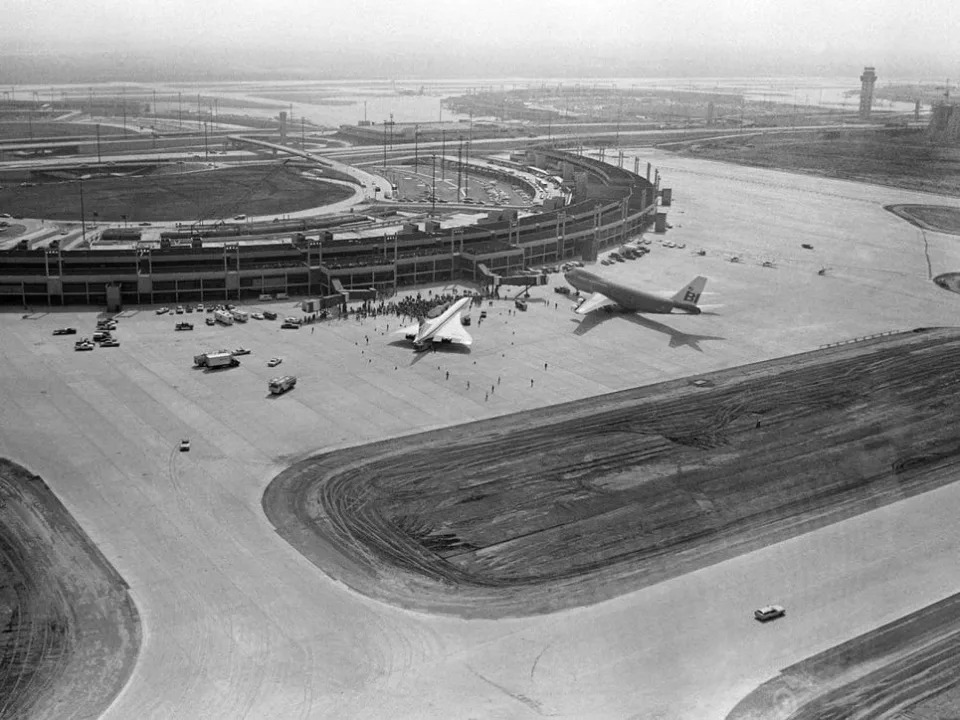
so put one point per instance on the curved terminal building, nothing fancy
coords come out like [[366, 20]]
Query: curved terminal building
[[606, 205]]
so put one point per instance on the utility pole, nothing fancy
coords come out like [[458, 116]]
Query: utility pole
[[443, 154], [384, 148], [416, 147], [180, 108], [433, 195], [99, 161]]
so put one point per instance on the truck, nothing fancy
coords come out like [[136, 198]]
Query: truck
[[240, 316], [280, 385], [223, 316], [215, 360]]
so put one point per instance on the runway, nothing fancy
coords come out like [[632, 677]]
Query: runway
[[237, 624]]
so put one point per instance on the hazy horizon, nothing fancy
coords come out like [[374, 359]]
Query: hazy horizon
[[57, 41]]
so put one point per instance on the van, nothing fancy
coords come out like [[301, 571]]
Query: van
[[521, 305]]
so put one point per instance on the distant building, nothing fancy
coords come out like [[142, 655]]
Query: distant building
[[867, 80]]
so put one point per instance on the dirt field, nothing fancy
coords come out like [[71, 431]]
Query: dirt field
[[573, 503], [221, 193], [898, 158], [70, 632], [938, 218]]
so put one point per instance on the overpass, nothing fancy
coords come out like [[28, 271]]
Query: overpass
[[374, 187]]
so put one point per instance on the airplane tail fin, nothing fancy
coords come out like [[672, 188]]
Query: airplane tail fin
[[691, 293]]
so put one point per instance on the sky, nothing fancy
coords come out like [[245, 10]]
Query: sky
[[724, 34]]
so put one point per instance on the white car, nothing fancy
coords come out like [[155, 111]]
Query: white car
[[184, 446], [163, 310], [770, 612], [273, 362], [256, 316]]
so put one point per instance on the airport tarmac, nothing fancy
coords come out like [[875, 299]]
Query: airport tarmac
[[237, 624]]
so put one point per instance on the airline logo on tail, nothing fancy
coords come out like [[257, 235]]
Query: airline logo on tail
[[690, 295]]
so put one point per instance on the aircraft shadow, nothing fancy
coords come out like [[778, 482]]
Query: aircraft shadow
[[439, 349], [677, 337]]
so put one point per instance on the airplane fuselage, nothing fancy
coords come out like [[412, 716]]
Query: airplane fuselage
[[626, 297]]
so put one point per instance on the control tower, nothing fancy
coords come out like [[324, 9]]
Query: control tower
[[868, 78]]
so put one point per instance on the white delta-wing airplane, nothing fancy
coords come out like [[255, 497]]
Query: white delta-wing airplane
[[445, 326], [607, 293]]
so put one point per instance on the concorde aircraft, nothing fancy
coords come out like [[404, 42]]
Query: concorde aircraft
[[444, 327], [607, 293]]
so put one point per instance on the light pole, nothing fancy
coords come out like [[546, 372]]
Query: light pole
[[433, 195], [83, 222]]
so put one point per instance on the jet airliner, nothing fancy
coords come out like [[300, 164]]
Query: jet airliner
[[445, 326], [606, 293]]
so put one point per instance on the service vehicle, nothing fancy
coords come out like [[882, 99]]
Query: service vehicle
[[184, 326], [240, 315], [241, 351], [280, 385], [65, 331], [521, 305], [562, 289], [769, 612], [273, 362], [215, 360], [223, 317], [184, 446], [83, 345]]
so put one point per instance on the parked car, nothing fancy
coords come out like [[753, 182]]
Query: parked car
[[184, 326], [163, 310], [287, 325], [562, 289], [211, 321], [184, 446], [179, 310], [273, 362], [256, 316], [65, 331], [241, 351], [83, 345], [770, 612], [110, 342]]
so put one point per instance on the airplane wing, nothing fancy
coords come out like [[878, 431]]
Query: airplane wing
[[452, 331], [410, 331], [595, 301]]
